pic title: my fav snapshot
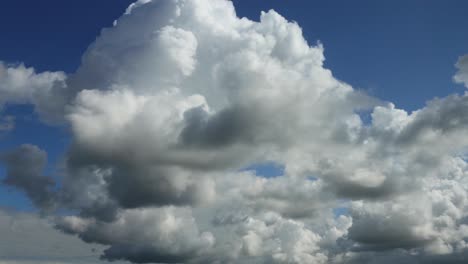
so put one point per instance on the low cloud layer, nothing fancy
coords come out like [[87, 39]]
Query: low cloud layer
[[172, 103], [28, 239]]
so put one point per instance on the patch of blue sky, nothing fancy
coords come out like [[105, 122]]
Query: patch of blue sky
[[30, 130], [312, 178], [11, 198], [267, 169], [365, 116], [342, 209], [339, 211]]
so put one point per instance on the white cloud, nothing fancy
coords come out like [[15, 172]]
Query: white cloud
[[22, 85], [172, 102], [462, 75], [143, 235]]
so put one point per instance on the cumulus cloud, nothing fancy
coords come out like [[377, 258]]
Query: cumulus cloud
[[167, 235], [24, 167], [22, 85], [172, 103]]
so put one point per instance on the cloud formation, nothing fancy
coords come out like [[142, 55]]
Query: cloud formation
[[22, 85], [24, 168], [172, 103]]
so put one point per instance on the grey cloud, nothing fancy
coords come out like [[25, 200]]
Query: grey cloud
[[144, 235], [24, 167], [357, 191], [441, 116], [28, 239], [414, 227], [127, 183], [390, 226], [230, 126], [136, 187], [143, 254], [401, 256]]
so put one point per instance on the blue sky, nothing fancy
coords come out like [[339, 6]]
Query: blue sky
[[400, 51]]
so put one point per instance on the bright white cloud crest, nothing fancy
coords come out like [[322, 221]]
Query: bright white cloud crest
[[172, 102]]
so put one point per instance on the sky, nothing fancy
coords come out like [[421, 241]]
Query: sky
[[210, 131], [398, 45]]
